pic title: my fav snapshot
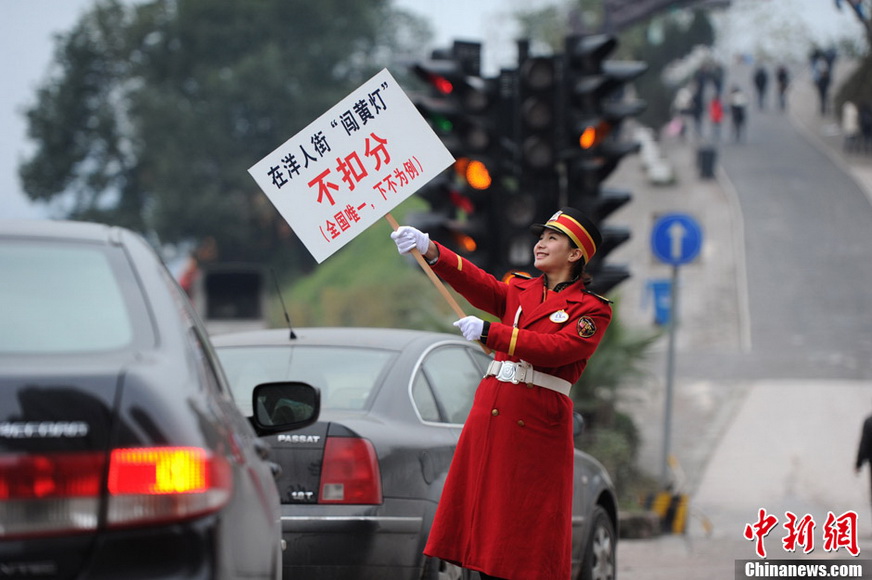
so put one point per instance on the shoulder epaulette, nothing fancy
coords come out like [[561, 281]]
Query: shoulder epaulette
[[595, 295]]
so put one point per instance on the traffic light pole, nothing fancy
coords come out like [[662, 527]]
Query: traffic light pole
[[676, 239], [670, 378]]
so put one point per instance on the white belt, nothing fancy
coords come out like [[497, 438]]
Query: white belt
[[522, 372]]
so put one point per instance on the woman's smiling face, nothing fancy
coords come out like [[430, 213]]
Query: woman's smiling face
[[553, 252]]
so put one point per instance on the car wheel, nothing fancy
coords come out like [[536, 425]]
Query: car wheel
[[599, 554], [436, 569]]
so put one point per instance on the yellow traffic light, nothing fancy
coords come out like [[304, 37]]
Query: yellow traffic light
[[474, 172], [588, 138], [593, 135], [477, 175], [466, 243]]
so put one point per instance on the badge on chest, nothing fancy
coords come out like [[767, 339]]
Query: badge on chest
[[559, 317]]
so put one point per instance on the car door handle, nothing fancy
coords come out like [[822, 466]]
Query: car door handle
[[262, 449]]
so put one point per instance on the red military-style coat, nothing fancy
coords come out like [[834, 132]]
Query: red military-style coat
[[506, 505]]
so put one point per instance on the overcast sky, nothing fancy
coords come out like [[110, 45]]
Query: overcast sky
[[28, 27], [26, 31]]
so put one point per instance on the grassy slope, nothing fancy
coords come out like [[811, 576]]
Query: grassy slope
[[367, 283]]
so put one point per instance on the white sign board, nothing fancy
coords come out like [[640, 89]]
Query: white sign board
[[351, 166]]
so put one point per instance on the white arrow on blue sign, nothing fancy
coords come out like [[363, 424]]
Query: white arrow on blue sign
[[676, 239]]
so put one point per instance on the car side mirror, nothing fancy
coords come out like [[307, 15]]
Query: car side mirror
[[284, 406], [577, 424]]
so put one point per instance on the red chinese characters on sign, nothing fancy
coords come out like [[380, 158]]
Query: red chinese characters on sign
[[378, 151], [341, 221], [351, 169], [324, 187], [399, 178], [838, 532], [394, 180]]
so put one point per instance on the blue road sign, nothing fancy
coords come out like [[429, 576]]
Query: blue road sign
[[676, 239]]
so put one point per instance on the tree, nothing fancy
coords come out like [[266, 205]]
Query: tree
[[862, 9], [857, 88], [680, 31], [155, 111], [548, 26], [678, 34]]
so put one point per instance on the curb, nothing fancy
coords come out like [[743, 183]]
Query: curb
[[639, 525]]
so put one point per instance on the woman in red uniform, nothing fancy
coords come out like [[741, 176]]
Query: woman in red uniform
[[506, 507]]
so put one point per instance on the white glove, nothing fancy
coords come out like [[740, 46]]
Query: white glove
[[471, 327], [407, 237]]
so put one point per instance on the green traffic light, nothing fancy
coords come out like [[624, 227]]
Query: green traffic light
[[442, 123]]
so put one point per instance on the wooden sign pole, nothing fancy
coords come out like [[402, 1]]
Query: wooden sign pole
[[434, 278]]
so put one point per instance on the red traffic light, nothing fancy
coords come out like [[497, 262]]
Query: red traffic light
[[440, 83], [440, 75]]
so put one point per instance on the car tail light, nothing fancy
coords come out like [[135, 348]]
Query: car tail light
[[350, 472], [50, 493], [165, 484], [60, 492]]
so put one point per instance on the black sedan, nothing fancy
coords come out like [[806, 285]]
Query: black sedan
[[359, 488], [122, 451]]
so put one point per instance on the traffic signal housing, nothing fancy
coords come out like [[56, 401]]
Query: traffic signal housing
[[537, 111], [535, 138], [532, 92], [456, 106], [597, 105], [461, 107]]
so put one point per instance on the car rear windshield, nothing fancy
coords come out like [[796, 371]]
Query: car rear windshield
[[61, 298], [345, 375]]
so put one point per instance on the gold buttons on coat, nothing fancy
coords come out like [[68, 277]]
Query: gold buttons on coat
[[495, 412], [521, 423]]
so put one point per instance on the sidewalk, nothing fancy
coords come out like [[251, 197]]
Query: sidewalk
[[712, 276], [825, 132], [712, 313]]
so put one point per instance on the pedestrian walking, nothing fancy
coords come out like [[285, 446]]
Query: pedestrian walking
[[681, 110], [821, 74], [866, 126], [761, 81], [517, 443], [738, 112], [716, 75], [697, 108], [716, 116], [782, 78], [864, 450]]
